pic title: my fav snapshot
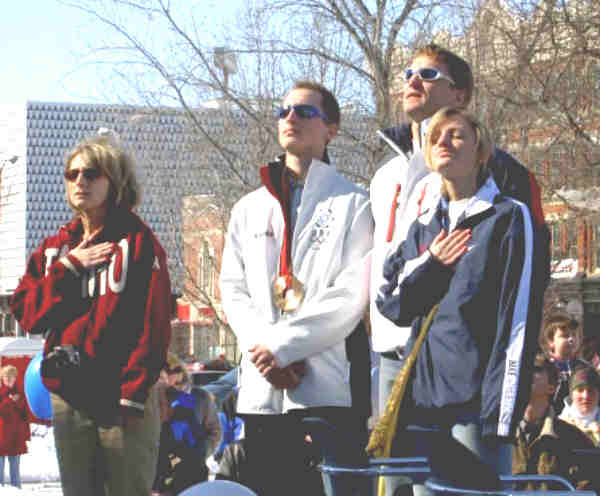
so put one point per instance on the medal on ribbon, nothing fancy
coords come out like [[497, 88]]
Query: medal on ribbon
[[288, 291]]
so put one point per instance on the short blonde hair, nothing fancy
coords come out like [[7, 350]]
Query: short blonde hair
[[175, 366], [9, 371], [104, 153], [482, 138]]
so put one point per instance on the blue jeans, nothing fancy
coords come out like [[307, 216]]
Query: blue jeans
[[15, 474], [388, 370], [422, 438]]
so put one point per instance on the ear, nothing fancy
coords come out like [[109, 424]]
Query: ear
[[332, 130], [460, 97]]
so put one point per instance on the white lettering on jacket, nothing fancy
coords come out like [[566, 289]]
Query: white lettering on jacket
[[51, 255], [105, 275]]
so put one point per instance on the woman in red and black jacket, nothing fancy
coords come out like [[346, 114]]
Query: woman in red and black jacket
[[100, 289], [14, 426]]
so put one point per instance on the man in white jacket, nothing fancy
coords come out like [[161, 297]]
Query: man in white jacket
[[423, 95], [294, 285]]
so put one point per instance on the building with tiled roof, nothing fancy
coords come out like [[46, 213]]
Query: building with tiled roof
[[175, 162], [34, 139]]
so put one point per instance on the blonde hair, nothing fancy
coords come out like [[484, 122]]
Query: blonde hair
[[175, 366], [9, 371], [104, 153], [482, 138]]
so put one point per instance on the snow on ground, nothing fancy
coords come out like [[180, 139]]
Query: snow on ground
[[40, 464], [39, 468], [30, 489]]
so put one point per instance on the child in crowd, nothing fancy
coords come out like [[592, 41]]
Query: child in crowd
[[582, 408], [544, 444], [189, 433], [560, 340]]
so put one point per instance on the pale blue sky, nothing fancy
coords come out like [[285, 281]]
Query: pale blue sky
[[43, 52]]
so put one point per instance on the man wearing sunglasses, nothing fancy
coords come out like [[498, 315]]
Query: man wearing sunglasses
[[399, 190], [294, 285]]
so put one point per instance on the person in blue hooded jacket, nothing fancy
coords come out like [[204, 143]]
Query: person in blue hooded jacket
[[188, 437], [469, 252]]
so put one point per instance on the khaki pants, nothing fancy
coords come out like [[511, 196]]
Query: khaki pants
[[105, 460]]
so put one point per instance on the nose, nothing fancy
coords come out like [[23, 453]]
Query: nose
[[414, 81], [291, 115], [80, 178], [443, 139]]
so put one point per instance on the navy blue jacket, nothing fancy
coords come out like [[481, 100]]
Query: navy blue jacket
[[478, 347], [512, 178]]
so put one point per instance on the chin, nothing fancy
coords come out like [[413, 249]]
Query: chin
[[294, 148]]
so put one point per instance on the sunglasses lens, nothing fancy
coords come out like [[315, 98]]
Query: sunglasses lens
[[408, 74], [428, 74], [283, 112], [305, 111], [90, 174]]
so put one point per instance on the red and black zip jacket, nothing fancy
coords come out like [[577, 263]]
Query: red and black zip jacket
[[117, 314]]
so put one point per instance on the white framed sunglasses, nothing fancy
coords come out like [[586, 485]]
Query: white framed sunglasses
[[426, 74]]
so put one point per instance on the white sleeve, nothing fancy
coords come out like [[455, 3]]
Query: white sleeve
[[242, 315]]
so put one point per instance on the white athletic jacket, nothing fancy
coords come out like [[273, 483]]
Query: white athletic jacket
[[397, 176], [330, 256]]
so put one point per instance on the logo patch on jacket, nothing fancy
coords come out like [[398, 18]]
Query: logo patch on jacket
[[267, 234], [322, 228]]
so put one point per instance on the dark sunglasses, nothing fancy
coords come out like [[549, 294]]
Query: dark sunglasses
[[427, 74], [89, 174], [303, 110]]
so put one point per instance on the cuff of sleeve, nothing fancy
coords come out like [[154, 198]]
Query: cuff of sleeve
[[282, 359], [132, 406]]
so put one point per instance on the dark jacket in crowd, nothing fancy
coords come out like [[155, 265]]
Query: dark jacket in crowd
[[550, 452]]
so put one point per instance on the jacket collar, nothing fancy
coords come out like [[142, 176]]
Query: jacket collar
[[482, 200], [116, 222], [398, 138], [272, 175]]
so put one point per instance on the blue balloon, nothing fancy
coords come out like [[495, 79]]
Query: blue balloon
[[38, 396]]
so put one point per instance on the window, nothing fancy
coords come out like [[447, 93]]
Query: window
[[596, 242], [571, 251], [556, 245], [206, 270]]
